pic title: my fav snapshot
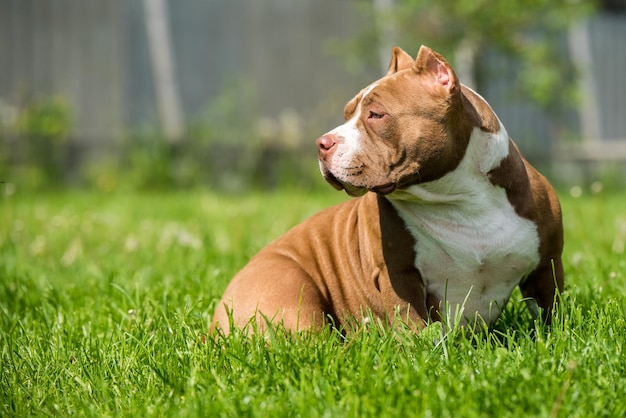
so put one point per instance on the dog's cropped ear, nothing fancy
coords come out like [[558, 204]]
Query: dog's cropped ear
[[400, 60], [432, 63]]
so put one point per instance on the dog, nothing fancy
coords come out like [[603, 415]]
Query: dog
[[447, 217]]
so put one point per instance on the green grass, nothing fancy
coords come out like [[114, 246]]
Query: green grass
[[105, 302]]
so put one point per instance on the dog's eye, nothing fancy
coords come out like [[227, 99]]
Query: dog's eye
[[374, 115]]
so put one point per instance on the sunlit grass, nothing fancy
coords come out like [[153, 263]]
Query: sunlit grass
[[105, 302]]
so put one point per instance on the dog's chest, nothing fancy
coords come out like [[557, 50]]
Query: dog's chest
[[471, 249]]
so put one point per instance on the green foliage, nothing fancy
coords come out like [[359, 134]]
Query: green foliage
[[241, 149], [34, 145], [105, 302], [227, 147], [230, 117], [530, 32], [150, 163], [49, 118]]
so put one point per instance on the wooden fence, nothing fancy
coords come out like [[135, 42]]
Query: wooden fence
[[274, 57]]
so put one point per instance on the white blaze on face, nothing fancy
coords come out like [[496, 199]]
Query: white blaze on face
[[350, 146]]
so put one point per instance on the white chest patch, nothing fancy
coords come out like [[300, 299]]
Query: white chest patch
[[472, 249]]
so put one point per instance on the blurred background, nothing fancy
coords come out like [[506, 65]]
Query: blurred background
[[231, 94]]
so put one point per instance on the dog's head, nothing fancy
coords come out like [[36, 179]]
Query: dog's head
[[404, 128]]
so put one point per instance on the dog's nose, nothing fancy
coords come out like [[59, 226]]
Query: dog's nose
[[325, 143]]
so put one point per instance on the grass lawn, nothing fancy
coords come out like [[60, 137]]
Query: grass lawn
[[105, 301]]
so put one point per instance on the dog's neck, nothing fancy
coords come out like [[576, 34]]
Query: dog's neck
[[485, 152]]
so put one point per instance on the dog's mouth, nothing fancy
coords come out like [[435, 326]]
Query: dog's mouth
[[356, 191], [385, 188]]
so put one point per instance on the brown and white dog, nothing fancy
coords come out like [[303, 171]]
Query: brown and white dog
[[456, 220]]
